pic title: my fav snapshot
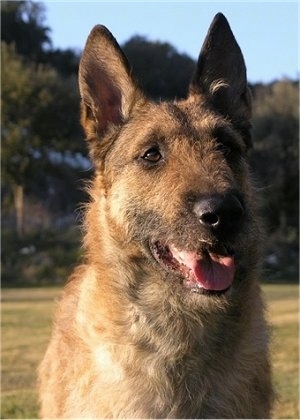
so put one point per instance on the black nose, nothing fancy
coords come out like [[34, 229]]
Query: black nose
[[219, 212]]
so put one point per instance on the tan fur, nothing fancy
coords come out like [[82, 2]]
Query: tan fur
[[128, 339]]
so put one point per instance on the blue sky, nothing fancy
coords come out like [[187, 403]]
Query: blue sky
[[267, 32]]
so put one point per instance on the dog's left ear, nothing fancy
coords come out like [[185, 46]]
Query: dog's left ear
[[221, 76], [107, 89]]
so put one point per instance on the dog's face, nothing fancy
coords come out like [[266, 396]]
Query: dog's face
[[175, 175]]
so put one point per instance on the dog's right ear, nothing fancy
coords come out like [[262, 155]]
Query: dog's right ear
[[221, 76], [107, 89]]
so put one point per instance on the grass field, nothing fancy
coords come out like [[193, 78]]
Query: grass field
[[26, 321]]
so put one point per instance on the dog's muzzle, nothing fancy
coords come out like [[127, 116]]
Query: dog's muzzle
[[207, 270]]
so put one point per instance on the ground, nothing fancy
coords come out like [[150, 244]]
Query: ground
[[26, 326]]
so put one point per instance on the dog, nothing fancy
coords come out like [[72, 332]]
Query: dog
[[165, 317]]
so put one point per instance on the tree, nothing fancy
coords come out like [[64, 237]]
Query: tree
[[23, 25], [66, 62], [276, 157], [160, 69], [39, 116]]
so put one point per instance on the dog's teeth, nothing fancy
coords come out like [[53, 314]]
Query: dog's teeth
[[196, 289]]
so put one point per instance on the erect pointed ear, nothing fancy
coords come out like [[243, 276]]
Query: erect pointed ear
[[221, 76], [107, 89]]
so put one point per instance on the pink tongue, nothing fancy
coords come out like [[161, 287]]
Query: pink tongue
[[212, 272]]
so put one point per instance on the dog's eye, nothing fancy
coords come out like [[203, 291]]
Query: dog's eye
[[152, 155]]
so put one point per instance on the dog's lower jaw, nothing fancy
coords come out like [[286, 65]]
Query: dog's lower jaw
[[209, 271]]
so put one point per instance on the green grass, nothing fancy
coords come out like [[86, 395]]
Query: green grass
[[284, 318], [26, 325]]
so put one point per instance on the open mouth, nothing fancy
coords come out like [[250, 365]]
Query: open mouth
[[208, 271]]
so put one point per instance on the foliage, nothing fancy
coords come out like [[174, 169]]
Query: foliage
[[39, 122], [40, 258], [38, 114], [160, 69], [22, 25], [275, 159], [276, 128], [66, 62]]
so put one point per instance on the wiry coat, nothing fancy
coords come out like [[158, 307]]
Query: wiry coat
[[129, 339]]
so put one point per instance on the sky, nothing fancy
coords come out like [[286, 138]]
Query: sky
[[267, 32]]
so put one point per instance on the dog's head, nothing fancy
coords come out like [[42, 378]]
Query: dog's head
[[174, 175]]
